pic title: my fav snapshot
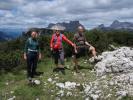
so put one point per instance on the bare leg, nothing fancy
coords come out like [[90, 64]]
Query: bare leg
[[75, 64], [94, 54], [93, 51]]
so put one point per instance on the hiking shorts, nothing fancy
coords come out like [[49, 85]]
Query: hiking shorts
[[81, 51], [58, 56]]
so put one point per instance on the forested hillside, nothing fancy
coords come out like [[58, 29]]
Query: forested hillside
[[11, 52]]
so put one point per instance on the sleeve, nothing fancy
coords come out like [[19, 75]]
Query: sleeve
[[51, 42], [67, 40], [26, 46], [39, 47], [84, 38], [74, 38]]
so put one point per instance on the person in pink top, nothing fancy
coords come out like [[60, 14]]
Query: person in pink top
[[57, 48]]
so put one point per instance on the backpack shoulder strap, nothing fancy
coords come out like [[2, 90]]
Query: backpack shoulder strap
[[76, 36], [61, 35], [29, 40], [54, 36]]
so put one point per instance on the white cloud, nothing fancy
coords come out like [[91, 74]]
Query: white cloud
[[25, 13]]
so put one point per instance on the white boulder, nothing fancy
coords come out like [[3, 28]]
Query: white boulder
[[120, 60]]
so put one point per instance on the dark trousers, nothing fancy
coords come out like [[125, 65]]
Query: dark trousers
[[32, 59], [81, 51]]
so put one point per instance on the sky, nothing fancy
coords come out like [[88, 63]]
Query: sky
[[39, 13]]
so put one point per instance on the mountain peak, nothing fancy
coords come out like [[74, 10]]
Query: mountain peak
[[115, 23], [70, 26], [101, 26], [118, 25]]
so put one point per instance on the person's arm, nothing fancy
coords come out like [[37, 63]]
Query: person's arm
[[91, 47], [74, 38], [51, 42], [25, 49], [40, 55], [39, 51], [88, 44], [69, 42]]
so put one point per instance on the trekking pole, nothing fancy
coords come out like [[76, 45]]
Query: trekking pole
[[52, 62]]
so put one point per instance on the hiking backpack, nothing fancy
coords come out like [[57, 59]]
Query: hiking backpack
[[55, 39]]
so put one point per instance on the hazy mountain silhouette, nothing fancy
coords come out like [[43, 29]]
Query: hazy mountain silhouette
[[70, 26], [117, 25]]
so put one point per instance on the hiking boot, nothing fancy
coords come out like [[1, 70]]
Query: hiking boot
[[30, 81], [38, 73], [76, 69], [96, 60], [63, 71], [56, 70]]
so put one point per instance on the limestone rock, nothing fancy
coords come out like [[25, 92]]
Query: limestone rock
[[120, 60]]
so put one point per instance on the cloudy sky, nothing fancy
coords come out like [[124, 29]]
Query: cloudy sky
[[39, 13]]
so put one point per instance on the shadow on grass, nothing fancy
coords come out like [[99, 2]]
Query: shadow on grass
[[85, 67]]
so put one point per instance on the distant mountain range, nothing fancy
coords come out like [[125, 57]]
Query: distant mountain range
[[4, 36], [8, 33], [117, 25], [70, 26]]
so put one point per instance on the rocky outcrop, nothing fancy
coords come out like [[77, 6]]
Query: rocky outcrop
[[120, 60], [118, 83]]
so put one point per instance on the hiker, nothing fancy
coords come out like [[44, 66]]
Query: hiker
[[82, 45], [32, 54], [57, 47]]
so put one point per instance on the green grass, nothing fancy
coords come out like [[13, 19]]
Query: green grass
[[18, 85]]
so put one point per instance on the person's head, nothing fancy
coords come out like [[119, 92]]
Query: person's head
[[57, 29], [80, 29], [57, 32], [34, 34]]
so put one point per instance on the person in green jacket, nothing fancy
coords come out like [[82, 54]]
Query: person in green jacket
[[32, 54]]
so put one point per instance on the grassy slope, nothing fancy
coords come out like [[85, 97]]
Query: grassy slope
[[15, 83]]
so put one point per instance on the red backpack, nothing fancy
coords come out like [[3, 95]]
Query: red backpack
[[56, 45]]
